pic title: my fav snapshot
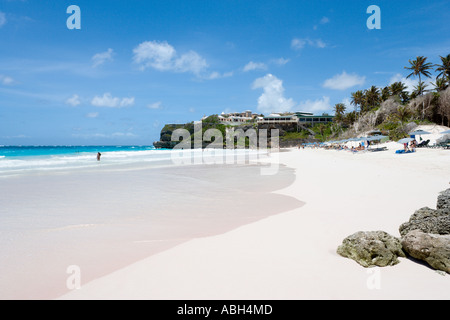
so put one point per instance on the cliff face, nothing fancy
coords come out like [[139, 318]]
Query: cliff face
[[166, 135], [165, 140]]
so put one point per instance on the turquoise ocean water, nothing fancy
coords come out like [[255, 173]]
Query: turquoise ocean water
[[19, 160], [33, 151], [22, 159]]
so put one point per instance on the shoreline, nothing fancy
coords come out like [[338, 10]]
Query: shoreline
[[105, 220], [292, 255]]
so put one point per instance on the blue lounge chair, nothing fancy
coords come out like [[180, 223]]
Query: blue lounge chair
[[403, 151]]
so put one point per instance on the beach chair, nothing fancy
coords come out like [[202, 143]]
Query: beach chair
[[403, 151], [443, 145], [423, 144], [377, 149]]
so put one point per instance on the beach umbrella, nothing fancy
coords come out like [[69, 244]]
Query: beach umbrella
[[356, 139], [418, 133], [377, 137], [405, 140]]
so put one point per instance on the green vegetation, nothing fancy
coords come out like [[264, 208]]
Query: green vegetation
[[323, 131], [390, 109], [422, 105], [394, 127], [213, 122], [295, 135]]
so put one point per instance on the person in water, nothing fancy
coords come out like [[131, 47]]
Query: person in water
[[98, 156]]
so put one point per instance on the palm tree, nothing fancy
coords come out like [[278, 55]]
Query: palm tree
[[372, 96], [385, 93], [339, 110], [440, 84], [403, 114], [444, 68], [419, 67], [400, 89], [357, 99], [350, 118], [405, 96], [397, 88], [419, 90], [322, 129], [413, 95]]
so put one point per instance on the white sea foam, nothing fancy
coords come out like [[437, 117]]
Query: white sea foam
[[21, 165]]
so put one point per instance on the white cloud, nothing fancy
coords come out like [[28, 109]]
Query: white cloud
[[347, 103], [6, 80], [324, 20], [123, 134], [127, 102], [214, 75], [73, 100], [190, 62], [2, 19], [272, 99], [92, 115], [344, 81], [191, 110], [104, 135], [255, 66], [102, 57], [316, 106], [218, 75], [410, 82], [156, 105], [163, 57], [280, 61], [298, 44], [318, 43], [158, 55], [107, 100], [20, 136]]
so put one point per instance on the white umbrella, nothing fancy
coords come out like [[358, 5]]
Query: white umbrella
[[356, 139], [418, 133], [377, 137], [405, 140]]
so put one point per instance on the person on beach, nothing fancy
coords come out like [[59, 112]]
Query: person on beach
[[406, 147], [413, 145], [98, 156]]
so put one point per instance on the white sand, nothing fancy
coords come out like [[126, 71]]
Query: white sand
[[106, 218], [293, 255]]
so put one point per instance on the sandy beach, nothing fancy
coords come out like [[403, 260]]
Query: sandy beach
[[292, 255], [218, 150], [105, 218]]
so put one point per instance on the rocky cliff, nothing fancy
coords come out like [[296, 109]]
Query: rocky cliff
[[285, 131]]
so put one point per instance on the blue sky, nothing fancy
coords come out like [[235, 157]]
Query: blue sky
[[136, 65]]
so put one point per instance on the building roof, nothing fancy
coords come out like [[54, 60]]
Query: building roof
[[301, 113], [314, 116]]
